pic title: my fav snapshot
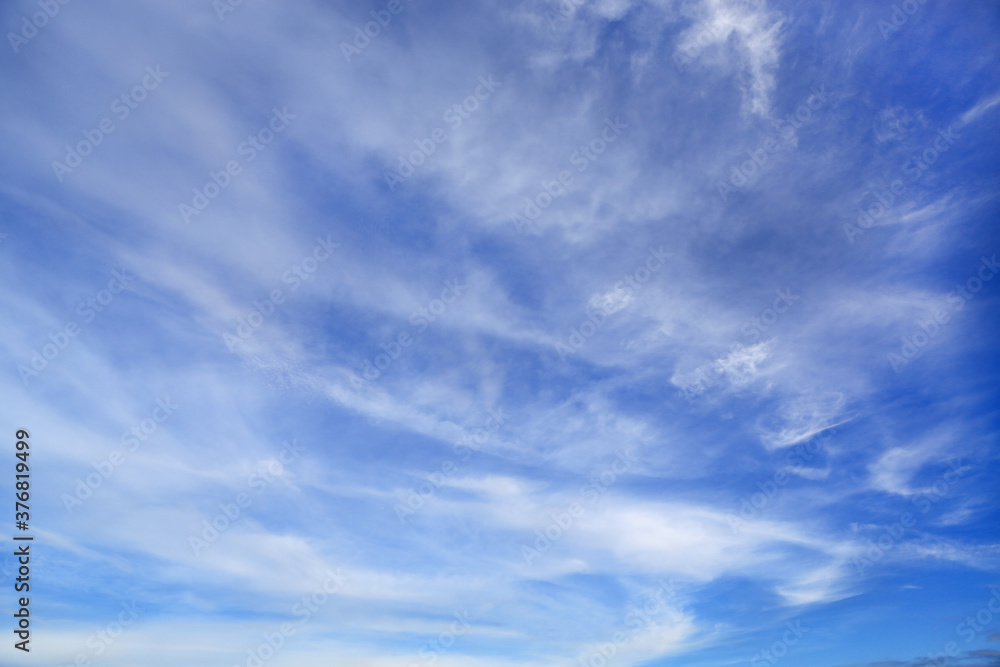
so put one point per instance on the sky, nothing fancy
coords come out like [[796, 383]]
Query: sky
[[485, 334]]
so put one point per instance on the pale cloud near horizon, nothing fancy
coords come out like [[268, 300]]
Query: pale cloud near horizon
[[389, 380]]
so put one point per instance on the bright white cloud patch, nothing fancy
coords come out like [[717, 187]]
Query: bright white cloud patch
[[426, 330]]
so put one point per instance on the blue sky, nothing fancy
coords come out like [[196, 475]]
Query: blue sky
[[519, 333]]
